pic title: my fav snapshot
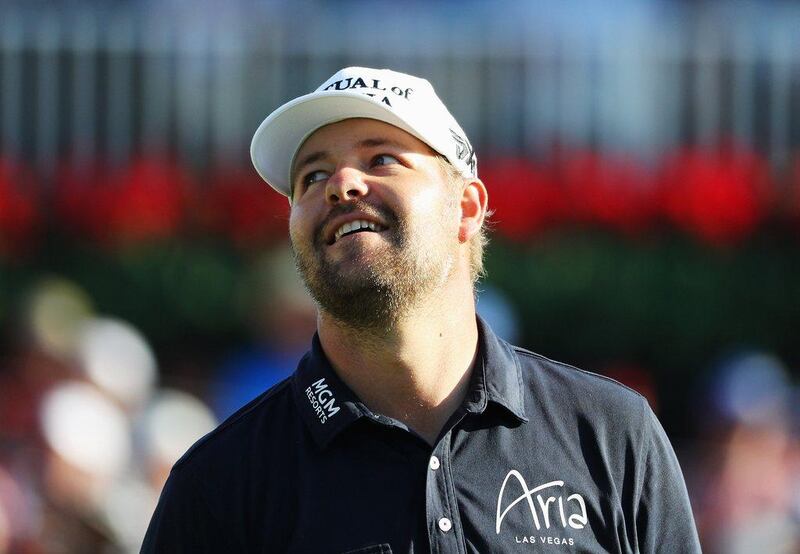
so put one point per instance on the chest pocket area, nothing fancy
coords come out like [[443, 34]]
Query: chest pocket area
[[374, 549]]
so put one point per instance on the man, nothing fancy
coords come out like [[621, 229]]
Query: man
[[410, 426]]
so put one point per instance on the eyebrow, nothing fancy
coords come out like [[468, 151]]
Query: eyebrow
[[313, 157], [309, 159]]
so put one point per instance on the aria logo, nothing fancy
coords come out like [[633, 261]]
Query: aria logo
[[322, 400], [570, 512]]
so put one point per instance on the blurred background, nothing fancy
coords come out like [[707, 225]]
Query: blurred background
[[643, 159]]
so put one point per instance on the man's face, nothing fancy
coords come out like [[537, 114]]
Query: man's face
[[374, 221]]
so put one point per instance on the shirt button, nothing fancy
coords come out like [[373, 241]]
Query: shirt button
[[434, 463], [445, 524]]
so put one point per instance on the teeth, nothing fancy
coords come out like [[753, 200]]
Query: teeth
[[356, 225]]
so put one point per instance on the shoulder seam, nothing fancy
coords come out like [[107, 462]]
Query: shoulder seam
[[235, 418], [523, 351]]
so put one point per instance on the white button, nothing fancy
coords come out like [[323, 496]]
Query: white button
[[434, 463], [445, 524]]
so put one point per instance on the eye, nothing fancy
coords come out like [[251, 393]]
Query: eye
[[314, 177], [384, 159]]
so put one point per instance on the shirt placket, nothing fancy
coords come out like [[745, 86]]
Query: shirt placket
[[445, 532]]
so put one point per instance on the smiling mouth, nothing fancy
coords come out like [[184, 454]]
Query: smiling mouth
[[357, 226]]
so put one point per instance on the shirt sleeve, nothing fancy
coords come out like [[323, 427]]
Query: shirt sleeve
[[664, 520], [183, 521]]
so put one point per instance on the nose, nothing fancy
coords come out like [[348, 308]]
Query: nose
[[344, 185]]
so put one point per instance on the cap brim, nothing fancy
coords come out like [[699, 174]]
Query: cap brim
[[280, 135]]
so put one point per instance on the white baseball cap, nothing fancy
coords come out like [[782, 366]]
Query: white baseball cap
[[402, 100]]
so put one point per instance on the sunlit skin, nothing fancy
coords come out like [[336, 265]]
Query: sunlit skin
[[417, 369], [369, 162]]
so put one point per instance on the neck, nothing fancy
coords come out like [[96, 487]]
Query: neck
[[417, 371]]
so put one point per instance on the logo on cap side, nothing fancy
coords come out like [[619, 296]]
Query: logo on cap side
[[464, 150]]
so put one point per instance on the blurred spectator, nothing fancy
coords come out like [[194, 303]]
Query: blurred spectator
[[86, 440], [746, 488], [54, 312], [163, 430], [170, 424], [498, 311], [282, 320], [18, 524], [41, 355], [116, 357], [88, 447]]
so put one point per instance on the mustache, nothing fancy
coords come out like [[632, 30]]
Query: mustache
[[378, 212]]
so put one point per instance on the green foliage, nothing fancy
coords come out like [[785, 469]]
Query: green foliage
[[665, 301]]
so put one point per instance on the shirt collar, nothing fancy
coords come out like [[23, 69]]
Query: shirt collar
[[328, 406], [497, 376]]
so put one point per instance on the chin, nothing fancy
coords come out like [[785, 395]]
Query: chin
[[356, 258]]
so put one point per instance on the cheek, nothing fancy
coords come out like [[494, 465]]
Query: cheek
[[298, 225], [434, 204], [431, 202], [425, 200]]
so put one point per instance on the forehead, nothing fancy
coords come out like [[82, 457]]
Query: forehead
[[349, 133]]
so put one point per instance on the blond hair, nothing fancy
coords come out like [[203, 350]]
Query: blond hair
[[479, 240]]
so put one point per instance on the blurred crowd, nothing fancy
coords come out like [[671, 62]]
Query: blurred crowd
[[89, 431], [744, 471], [88, 428], [87, 436]]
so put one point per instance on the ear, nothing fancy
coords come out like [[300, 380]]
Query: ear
[[474, 203]]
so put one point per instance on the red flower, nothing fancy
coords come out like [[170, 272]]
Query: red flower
[[611, 192], [20, 217], [142, 200], [244, 208], [718, 195], [525, 198], [83, 199], [792, 205], [149, 200]]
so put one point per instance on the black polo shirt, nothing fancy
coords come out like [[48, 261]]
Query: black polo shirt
[[541, 457]]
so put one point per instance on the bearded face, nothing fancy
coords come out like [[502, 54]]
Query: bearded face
[[374, 230]]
